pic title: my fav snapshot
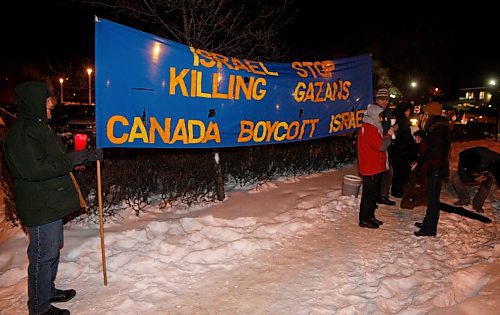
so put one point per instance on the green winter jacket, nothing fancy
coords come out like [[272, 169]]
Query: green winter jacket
[[38, 162]]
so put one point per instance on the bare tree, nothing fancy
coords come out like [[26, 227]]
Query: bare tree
[[419, 54], [381, 75], [237, 28]]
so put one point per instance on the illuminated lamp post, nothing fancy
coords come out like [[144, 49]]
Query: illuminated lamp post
[[495, 102], [89, 72], [61, 80], [413, 90]]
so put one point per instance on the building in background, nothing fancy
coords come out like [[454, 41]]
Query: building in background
[[476, 104]]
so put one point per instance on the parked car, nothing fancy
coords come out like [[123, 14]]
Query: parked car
[[7, 114], [75, 124]]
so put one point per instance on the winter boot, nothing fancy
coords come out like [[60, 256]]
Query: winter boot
[[55, 311], [62, 296]]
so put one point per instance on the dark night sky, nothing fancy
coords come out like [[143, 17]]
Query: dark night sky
[[58, 32], [450, 47], [453, 50]]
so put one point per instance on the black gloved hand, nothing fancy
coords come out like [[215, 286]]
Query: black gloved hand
[[95, 154], [99, 153], [78, 157]]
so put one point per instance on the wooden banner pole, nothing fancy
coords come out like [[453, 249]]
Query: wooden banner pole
[[101, 222]]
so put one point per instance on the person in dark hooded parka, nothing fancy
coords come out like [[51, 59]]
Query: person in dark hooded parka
[[44, 192]]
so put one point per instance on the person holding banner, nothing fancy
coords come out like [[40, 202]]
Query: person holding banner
[[372, 163], [45, 191]]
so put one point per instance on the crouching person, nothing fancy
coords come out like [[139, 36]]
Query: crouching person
[[477, 166], [44, 190], [372, 162]]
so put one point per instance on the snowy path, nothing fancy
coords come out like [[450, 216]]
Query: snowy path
[[340, 268], [387, 270]]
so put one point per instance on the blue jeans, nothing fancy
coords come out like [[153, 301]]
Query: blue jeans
[[385, 182], [43, 255]]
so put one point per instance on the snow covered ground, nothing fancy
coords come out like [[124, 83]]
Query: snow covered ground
[[288, 247]]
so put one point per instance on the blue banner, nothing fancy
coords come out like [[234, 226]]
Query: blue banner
[[155, 93]]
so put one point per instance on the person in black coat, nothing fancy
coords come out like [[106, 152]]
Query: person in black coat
[[436, 162], [404, 150], [476, 166]]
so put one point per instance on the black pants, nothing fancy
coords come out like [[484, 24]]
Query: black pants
[[401, 176], [434, 182], [369, 196]]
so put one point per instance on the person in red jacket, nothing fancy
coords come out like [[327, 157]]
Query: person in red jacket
[[372, 162]]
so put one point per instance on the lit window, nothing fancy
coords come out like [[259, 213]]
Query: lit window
[[481, 95], [469, 95]]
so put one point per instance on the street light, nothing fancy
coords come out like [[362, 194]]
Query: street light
[[61, 80], [412, 90], [89, 71], [494, 102]]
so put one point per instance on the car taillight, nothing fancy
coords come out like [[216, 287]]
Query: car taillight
[[80, 141]]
